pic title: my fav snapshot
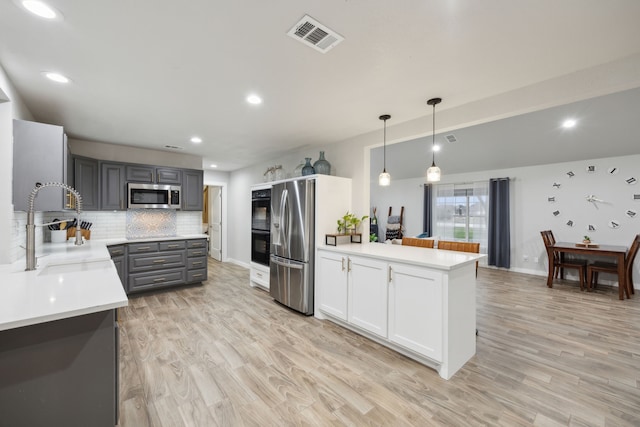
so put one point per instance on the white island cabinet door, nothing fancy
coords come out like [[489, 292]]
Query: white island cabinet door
[[368, 281], [332, 284], [415, 309]]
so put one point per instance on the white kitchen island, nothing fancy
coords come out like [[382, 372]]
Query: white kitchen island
[[420, 302]]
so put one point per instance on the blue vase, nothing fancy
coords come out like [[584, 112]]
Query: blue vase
[[322, 166], [308, 169]]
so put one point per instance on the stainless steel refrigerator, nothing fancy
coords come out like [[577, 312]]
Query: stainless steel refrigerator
[[292, 244]]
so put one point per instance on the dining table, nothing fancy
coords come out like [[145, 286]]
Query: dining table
[[612, 251]]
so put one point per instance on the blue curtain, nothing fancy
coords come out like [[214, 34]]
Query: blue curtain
[[499, 239], [428, 211]]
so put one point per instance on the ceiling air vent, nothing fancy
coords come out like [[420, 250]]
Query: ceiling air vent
[[314, 34], [451, 138], [173, 147]]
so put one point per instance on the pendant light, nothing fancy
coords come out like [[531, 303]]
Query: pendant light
[[384, 179], [433, 173]]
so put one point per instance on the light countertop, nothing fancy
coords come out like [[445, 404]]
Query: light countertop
[[425, 257], [69, 281]]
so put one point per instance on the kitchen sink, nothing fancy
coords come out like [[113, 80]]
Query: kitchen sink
[[78, 267]]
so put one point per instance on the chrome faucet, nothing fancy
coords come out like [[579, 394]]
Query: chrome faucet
[[31, 226]]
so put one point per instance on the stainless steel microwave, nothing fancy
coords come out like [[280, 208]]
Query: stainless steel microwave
[[153, 196]]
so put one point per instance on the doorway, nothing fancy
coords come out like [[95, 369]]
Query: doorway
[[212, 216]]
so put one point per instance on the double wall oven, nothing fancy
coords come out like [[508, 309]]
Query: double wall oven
[[260, 225]]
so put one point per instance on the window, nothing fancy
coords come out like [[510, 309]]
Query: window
[[461, 212]]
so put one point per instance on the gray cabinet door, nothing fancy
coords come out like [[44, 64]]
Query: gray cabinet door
[[192, 181], [85, 180], [39, 155], [112, 187], [140, 173], [169, 176]]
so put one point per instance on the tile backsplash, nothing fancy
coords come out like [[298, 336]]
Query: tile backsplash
[[151, 223], [106, 225]]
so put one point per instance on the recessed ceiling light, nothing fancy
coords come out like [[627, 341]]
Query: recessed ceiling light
[[40, 9], [196, 139], [213, 166], [254, 99], [569, 123], [56, 77]]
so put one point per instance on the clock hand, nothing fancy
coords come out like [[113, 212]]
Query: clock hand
[[592, 198]]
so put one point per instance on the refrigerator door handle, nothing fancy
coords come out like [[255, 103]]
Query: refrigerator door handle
[[286, 264], [283, 219]]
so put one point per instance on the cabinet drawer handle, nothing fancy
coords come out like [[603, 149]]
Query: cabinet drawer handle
[[348, 264], [116, 252], [257, 274], [197, 253], [143, 248], [342, 263], [174, 246], [197, 263], [162, 279], [389, 274], [159, 261], [197, 275]]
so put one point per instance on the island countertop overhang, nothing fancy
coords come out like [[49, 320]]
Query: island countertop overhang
[[439, 259]]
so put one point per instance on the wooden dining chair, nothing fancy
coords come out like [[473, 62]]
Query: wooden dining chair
[[611, 267], [472, 247], [558, 264], [413, 241]]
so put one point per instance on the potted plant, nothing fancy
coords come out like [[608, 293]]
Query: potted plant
[[349, 223]]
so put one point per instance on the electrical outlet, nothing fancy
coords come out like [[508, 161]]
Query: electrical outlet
[[535, 259], [525, 257]]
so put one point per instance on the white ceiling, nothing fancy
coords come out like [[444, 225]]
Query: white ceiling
[[607, 126], [151, 73]]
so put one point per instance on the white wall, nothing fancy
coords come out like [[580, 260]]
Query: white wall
[[128, 154], [402, 192], [11, 107]]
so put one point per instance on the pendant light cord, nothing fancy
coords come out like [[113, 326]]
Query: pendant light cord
[[384, 118], [384, 161], [433, 141]]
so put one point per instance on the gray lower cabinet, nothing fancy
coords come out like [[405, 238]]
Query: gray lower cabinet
[[196, 260], [61, 373], [112, 187], [154, 265], [86, 173], [118, 256]]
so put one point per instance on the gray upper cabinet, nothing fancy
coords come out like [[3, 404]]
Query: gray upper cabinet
[[140, 173], [168, 176], [192, 181], [153, 175], [103, 184], [40, 154], [86, 174], [112, 186]]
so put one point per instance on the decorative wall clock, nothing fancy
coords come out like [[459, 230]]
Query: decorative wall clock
[[588, 210]]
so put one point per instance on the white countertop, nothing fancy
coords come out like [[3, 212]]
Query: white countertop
[[69, 281], [425, 257]]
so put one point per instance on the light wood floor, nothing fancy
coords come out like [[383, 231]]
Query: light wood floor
[[224, 354]]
